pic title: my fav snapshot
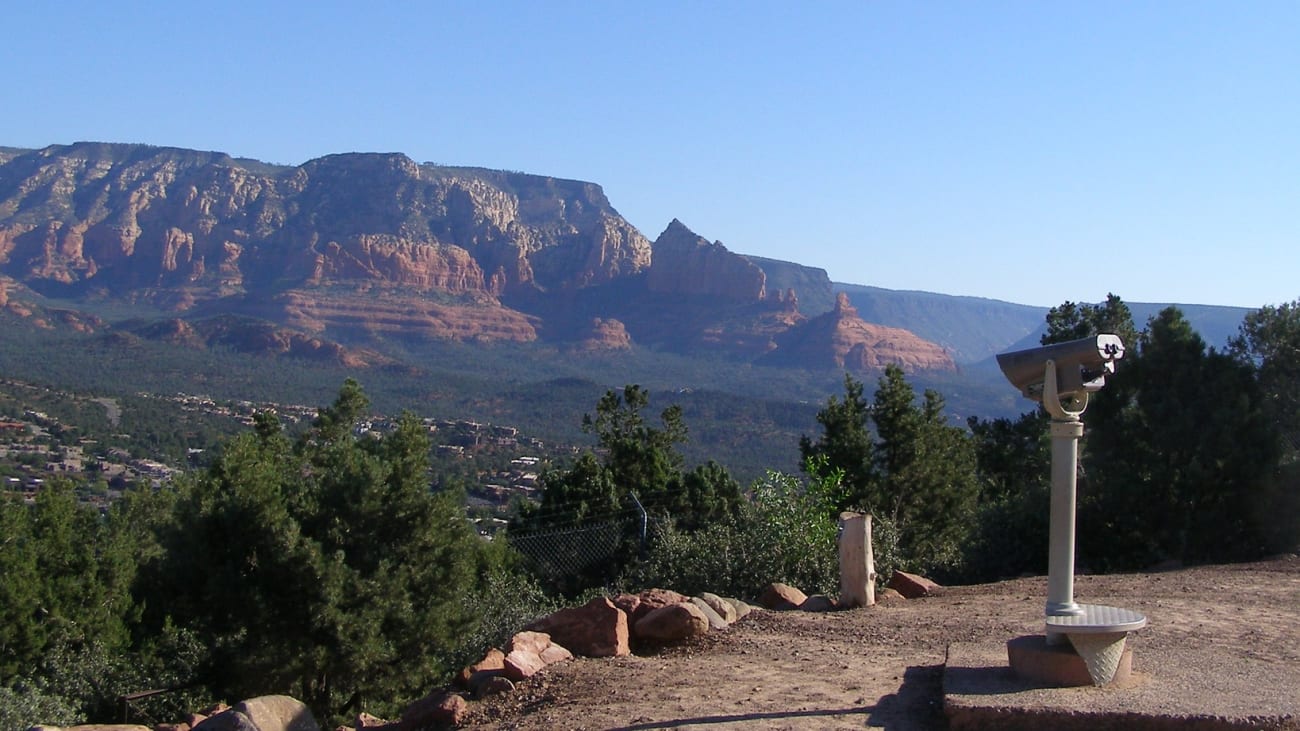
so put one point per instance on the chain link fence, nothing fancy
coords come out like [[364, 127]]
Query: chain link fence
[[586, 555]]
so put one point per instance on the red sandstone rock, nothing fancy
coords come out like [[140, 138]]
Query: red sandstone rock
[[671, 623], [818, 603], [440, 708], [686, 264], [781, 597], [912, 586], [522, 664], [555, 653], [888, 595], [528, 642], [638, 606], [596, 629], [493, 663]]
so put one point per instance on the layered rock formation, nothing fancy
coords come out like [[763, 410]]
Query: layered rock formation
[[142, 221], [351, 251], [841, 339]]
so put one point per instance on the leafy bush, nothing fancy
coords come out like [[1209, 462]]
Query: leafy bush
[[787, 533], [507, 600], [24, 705]]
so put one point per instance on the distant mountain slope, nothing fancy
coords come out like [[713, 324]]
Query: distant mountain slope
[[972, 328], [1215, 323]]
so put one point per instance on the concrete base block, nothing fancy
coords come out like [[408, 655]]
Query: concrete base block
[[1032, 659]]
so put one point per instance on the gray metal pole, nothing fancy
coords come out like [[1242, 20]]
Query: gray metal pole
[[1060, 558]]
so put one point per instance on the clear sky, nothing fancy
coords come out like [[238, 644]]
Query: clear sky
[[1033, 152]]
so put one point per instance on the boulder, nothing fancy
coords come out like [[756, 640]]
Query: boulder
[[673, 622], [742, 608], [529, 652], [715, 620], [228, 720], [912, 586], [492, 685], [721, 606], [781, 597], [522, 664], [888, 595], [596, 629], [493, 663], [527, 641], [555, 653], [629, 603], [638, 606], [277, 713], [819, 603], [439, 708]]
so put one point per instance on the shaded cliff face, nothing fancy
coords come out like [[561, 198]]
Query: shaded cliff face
[[119, 218], [686, 264]]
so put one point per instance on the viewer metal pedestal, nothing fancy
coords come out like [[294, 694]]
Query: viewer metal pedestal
[[1097, 633]]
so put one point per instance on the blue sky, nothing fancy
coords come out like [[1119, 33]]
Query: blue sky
[[1024, 151]]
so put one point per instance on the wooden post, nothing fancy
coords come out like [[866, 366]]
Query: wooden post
[[857, 561]]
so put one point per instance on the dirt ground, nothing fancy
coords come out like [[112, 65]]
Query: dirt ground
[[882, 667]]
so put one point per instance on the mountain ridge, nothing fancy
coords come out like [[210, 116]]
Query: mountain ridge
[[356, 248]]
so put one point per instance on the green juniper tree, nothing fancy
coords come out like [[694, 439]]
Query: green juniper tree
[[638, 464], [846, 444], [324, 567], [917, 472], [1269, 339]]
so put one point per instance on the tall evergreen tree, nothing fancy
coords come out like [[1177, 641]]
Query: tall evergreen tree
[[1174, 460], [846, 444], [1269, 339], [917, 472], [1070, 321], [928, 484], [640, 467], [324, 568]]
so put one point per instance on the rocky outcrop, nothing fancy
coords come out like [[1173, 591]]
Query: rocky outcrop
[[813, 286], [686, 264], [604, 334], [841, 339], [123, 218], [375, 248], [258, 337]]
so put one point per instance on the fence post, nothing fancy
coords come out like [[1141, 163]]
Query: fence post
[[857, 561], [644, 519]]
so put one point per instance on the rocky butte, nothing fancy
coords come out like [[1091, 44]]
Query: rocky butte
[[346, 251]]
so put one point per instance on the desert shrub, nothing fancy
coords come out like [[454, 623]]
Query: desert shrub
[[1010, 539], [76, 681], [25, 705], [787, 532], [505, 602]]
